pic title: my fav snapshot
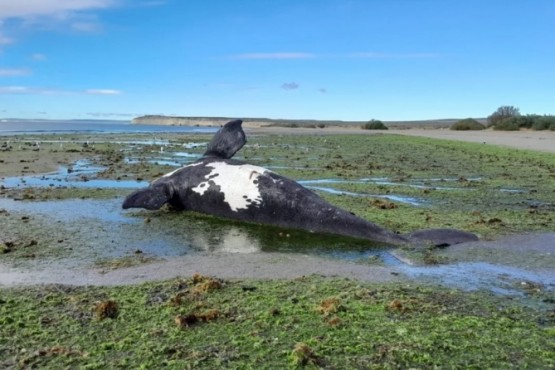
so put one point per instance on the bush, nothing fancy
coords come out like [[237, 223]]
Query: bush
[[533, 121], [467, 124], [544, 123], [503, 112], [507, 124], [527, 121], [374, 125]]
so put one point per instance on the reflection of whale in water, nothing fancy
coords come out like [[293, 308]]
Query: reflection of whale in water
[[223, 187], [228, 240]]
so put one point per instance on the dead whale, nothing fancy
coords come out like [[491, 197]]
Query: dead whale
[[228, 188]]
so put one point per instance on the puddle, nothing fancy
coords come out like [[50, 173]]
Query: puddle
[[195, 145], [158, 161], [397, 198], [100, 230], [382, 181], [513, 191], [187, 155], [165, 234], [81, 174], [499, 279], [172, 159]]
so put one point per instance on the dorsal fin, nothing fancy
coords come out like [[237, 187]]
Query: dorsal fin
[[227, 141]]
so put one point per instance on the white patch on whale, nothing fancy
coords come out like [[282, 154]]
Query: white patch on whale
[[239, 184]]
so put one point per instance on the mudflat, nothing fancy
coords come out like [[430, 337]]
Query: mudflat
[[285, 292], [73, 218]]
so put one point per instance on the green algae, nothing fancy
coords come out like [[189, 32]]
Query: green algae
[[313, 322]]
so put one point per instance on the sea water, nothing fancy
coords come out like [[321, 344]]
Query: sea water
[[18, 127]]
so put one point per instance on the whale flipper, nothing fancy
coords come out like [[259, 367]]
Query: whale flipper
[[152, 198], [227, 141]]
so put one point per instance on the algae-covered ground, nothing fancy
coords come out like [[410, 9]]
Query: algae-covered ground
[[68, 188], [207, 323]]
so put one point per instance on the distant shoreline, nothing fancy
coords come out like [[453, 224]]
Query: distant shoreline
[[288, 123]]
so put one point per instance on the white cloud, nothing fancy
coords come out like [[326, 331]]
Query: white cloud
[[274, 56], [102, 92], [45, 14], [49, 8], [10, 90], [109, 114], [11, 72]]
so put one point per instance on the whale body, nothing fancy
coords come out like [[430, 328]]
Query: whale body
[[218, 185]]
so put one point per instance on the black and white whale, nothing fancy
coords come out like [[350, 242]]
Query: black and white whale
[[224, 187]]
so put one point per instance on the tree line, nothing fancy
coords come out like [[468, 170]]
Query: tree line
[[508, 118]]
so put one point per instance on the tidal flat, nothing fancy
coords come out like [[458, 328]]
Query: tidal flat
[[60, 199]]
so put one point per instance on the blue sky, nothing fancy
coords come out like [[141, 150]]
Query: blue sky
[[304, 59]]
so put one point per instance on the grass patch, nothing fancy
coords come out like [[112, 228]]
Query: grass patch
[[311, 322]]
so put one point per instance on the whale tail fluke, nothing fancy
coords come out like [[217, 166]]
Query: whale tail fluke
[[151, 198], [227, 141], [441, 237]]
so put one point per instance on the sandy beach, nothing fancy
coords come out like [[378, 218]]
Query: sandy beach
[[532, 140]]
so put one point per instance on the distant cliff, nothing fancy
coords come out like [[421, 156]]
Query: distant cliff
[[180, 121], [247, 122], [268, 122]]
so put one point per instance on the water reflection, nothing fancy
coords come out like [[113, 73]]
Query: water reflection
[[81, 174], [103, 226]]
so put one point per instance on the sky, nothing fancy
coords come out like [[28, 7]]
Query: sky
[[290, 59]]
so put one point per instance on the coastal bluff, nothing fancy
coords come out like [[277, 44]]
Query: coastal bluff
[[247, 122], [180, 121], [284, 123]]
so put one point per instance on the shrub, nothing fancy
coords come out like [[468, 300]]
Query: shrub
[[467, 124], [527, 121], [503, 112], [374, 125], [507, 124], [544, 123]]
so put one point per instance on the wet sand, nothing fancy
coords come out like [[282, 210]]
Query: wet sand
[[469, 273]]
